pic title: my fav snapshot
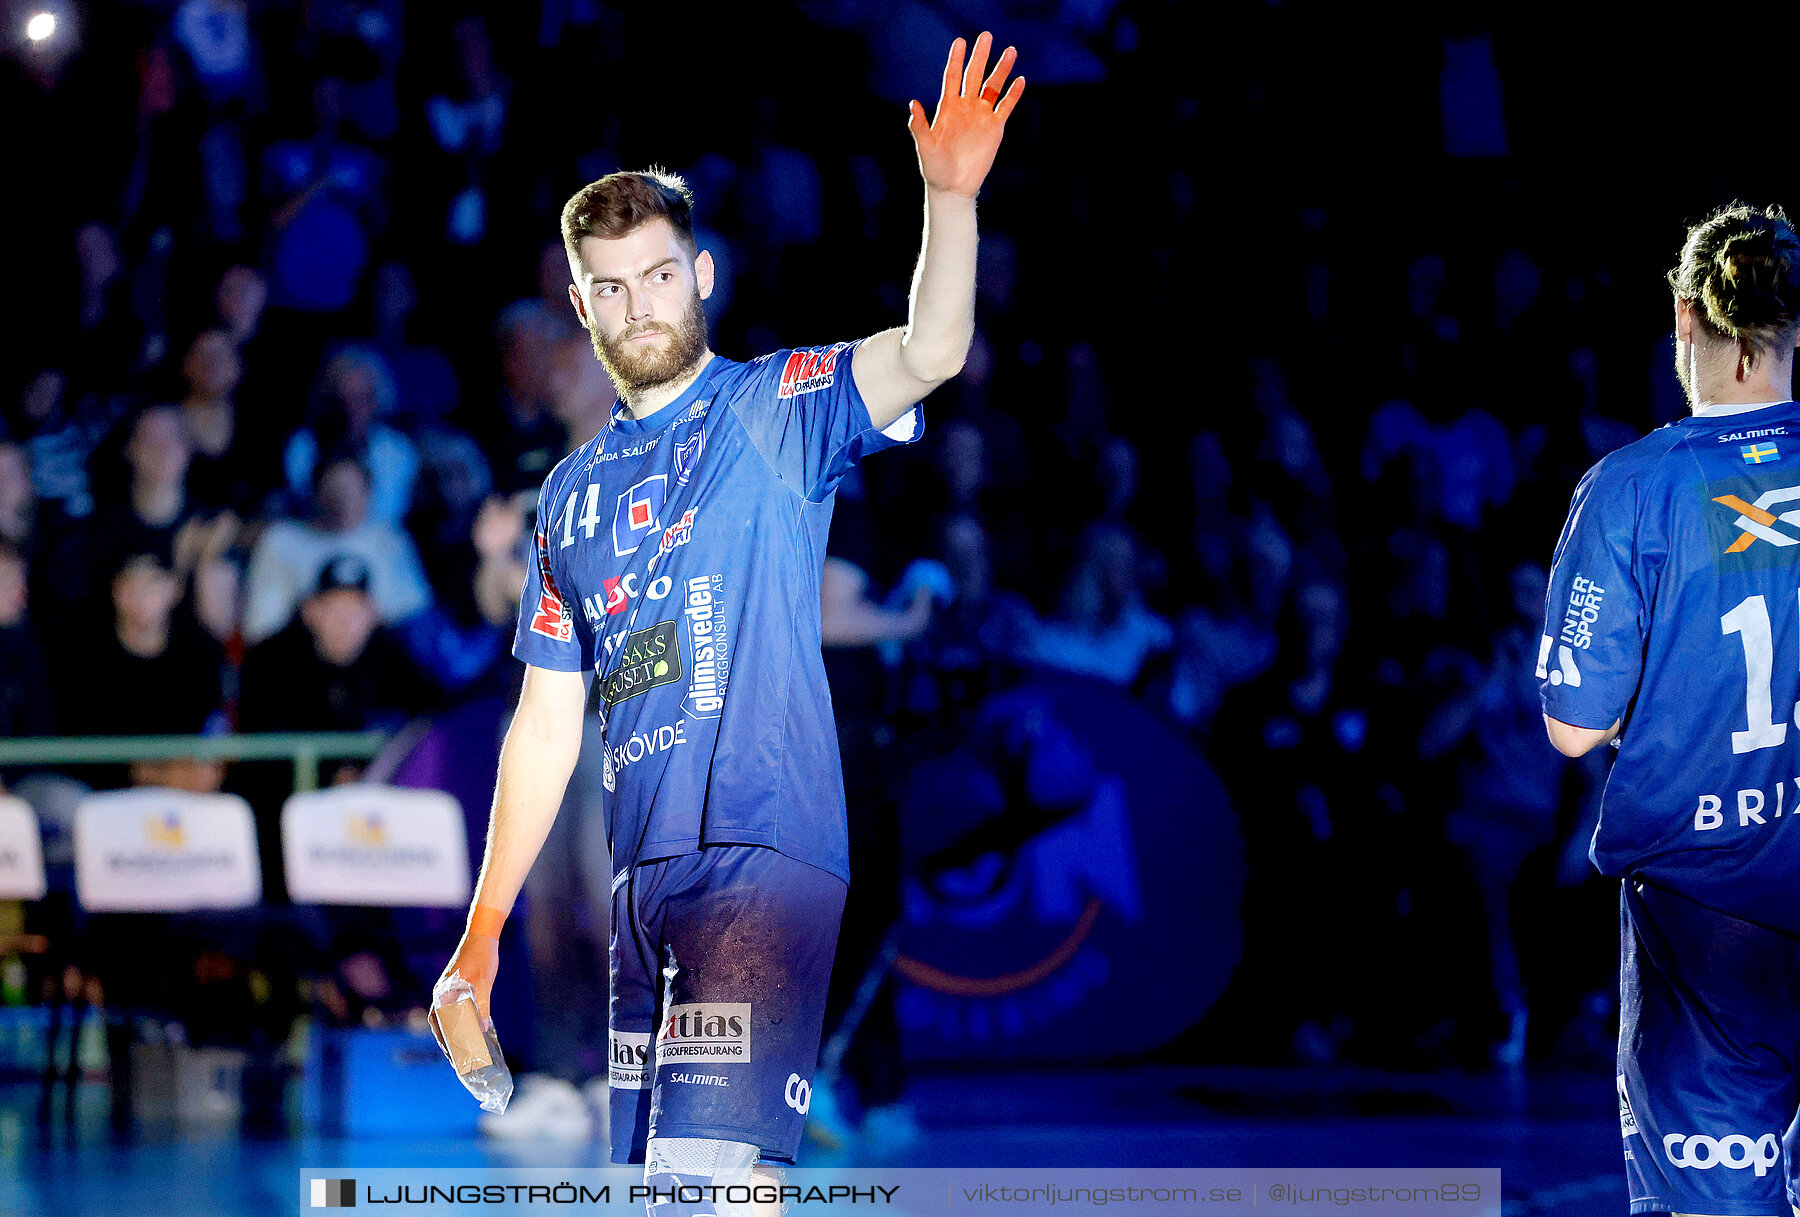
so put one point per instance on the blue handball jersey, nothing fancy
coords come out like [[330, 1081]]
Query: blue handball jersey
[[1675, 605], [679, 558]]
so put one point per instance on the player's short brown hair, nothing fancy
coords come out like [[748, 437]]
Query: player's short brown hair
[[1740, 268], [619, 203]]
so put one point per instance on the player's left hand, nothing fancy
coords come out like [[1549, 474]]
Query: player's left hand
[[956, 148]]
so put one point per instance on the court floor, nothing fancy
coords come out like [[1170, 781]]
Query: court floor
[[1554, 1136]]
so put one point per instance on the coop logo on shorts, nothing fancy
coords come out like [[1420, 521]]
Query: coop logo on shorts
[[704, 612], [809, 371], [630, 1052], [705, 1031], [798, 1093], [1736, 1152], [334, 1193], [637, 512]]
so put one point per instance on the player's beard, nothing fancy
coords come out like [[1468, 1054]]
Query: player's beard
[[634, 370]]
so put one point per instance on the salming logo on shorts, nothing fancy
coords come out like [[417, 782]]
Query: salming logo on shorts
[[1736, 1152], [630, 1054], [705, 1031], [1627, 1121]]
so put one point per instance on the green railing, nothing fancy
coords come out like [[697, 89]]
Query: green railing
[[304, 749]]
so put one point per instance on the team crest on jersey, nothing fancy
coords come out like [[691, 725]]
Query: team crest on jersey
[[809, 371], [637, 513], [687, 456], [553, 619]]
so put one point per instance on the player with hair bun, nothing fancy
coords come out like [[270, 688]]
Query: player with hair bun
[[1673, 632]]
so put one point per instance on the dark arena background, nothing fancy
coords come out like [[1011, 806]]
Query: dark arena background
[[1201, 811]]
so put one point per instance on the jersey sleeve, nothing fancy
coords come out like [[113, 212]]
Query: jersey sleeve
[[1591, 651], [805, 415], [550, 633]]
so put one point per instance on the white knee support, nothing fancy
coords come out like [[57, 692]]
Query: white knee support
[[698, 1177]]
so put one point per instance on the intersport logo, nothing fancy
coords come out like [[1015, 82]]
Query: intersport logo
[[1736, 1151]]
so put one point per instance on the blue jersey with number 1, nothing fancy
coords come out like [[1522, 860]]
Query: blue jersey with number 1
[[1675, 605], [679, 558]]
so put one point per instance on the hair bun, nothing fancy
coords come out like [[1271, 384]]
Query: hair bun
[[1746, 257], [1741, 265]]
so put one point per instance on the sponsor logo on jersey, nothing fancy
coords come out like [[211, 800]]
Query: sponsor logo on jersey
[[678, 533], [705, 1031], [1757, 523], [798, 1093], [1579, 616], [641, 744], [1627, 1121], [704, 613], [637, 449], [809, 371], [1566, 672], [637, 512], [553, 618], [617, 594], [1760, 454], [648, 658], [1735, 1152], [1583, 610], [630, 1051], [1738, 437]]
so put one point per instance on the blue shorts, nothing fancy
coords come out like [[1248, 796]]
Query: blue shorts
[[720, 964], [1709, 1079]]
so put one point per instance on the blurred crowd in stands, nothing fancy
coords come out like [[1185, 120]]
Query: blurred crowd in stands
[[293, 354]]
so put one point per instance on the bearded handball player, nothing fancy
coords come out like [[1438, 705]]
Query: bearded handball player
[[679, 555]]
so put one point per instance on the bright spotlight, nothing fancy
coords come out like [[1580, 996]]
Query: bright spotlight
[[41, 26]]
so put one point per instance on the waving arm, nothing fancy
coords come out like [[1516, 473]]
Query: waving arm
[[956, 148]]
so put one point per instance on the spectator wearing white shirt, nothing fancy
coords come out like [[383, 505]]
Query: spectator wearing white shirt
[[288, 557]]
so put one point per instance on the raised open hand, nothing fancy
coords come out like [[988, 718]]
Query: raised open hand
[[956, 148]]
